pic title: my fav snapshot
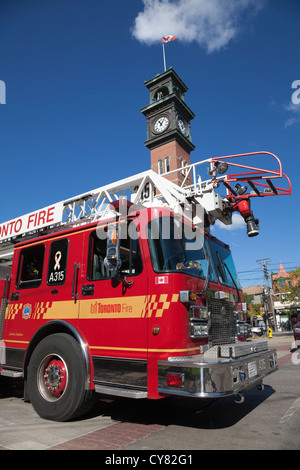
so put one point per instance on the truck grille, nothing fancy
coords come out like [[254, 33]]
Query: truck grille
[[222, 321]]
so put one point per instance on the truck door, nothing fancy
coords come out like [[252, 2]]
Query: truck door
[[113, 310], [63, 264]]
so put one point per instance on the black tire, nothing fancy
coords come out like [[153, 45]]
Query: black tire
[[56, 379]]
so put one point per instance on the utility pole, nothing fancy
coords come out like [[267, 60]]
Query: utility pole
[[264, 264]]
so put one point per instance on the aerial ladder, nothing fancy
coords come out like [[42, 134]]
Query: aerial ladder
[[201, 201]]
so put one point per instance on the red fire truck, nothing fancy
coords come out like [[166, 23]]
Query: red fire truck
[[124, 291]]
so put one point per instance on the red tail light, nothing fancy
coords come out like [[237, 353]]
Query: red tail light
[[175, 380]]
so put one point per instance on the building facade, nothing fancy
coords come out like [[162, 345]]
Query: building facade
[[285, 304]]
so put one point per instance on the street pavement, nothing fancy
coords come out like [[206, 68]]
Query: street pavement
[[266, 420]]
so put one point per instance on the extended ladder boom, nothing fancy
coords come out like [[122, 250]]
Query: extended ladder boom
[[148, 189]]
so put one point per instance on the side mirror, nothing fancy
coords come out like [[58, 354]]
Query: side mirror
[[112, 260]]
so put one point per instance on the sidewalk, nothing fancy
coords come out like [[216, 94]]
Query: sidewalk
[[277, 336], [282, 341]]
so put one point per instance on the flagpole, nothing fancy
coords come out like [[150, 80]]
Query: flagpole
[[166, 39], [163, 45]]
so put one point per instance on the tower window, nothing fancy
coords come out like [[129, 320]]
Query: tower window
[[160, 167], [183, 164], [161, 93], [167, 164]]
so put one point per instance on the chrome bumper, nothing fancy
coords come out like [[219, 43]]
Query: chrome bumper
[[222, 371]]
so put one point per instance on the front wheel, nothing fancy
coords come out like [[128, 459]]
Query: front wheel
[[56, 379]]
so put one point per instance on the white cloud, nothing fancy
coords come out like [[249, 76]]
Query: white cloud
[[237, 223], [211, 23]]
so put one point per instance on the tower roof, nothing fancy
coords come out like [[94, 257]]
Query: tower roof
[[167, 74], [281, 273]]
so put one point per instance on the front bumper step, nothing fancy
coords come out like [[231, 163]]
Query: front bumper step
[[236, 350], [227, 370]]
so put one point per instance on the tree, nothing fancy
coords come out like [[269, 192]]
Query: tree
[[252, 309]]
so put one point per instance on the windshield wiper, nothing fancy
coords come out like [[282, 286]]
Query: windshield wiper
[[221, 269], [207, 258], [234, 283]]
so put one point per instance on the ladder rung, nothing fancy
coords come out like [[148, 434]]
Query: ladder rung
[[271, 186], [254, 187]]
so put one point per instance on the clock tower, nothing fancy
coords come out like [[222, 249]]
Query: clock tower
[[168, 126]]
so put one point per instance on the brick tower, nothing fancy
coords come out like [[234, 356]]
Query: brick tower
[[168, 126]]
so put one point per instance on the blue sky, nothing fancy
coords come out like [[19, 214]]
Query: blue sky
[[74, 72]]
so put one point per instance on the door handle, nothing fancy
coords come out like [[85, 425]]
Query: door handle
[[75, 281], [88, 289], [15, 296]]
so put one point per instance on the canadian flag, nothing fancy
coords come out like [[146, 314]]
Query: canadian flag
[[168, 38]]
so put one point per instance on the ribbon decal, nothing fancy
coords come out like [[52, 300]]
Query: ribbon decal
[[57, 259]]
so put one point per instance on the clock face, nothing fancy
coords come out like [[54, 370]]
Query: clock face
[[161, 124], [181, 126]]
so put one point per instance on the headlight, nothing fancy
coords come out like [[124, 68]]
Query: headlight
[[198, 330]]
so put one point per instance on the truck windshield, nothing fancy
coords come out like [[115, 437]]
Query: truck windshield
[[173, 249], [224, 264]]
